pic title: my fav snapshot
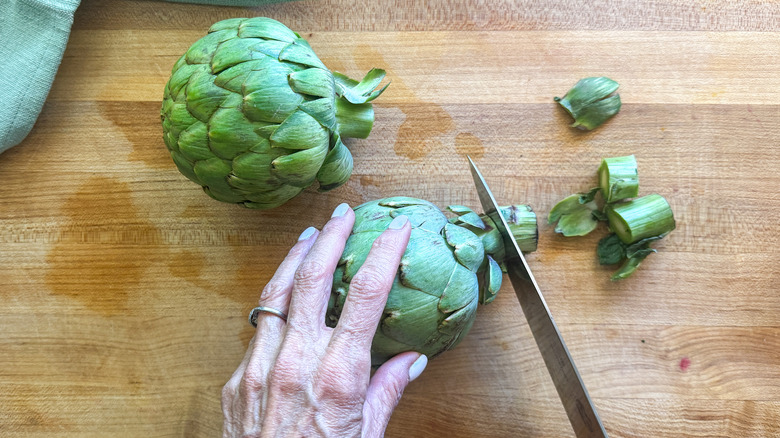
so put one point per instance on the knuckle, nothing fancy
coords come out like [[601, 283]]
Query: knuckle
[[386, 243], [368, 282], [343, 391], [286, 379], [272, 291], [253, 381], [311, 273]]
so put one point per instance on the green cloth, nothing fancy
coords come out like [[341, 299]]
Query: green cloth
[[33, 34], [230, 2]]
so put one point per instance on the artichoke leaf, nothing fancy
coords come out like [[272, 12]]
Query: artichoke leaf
[[427, 256], [357, 248], [611, 250], [179, 79], [574, 218], [402, 201], [255, 166], [459, 209], [300, 131], [577, 223], [231, 134], [271, 199], [457, 323], [467, 247], [236, 51], [462, 288], [203, 97], [631, 264], [203, 50], [219, 194], [301, 54], [470, 219], [337, 167], [323, 110], [466, 216], [371, 217], [194, 142], [492, 277], [269, 98], [185, 166], [410, 316], [300, 168], [230, 23], [313, 81], [266, 28], [213, 174], [235, 77], [588, 104], [360, 92]]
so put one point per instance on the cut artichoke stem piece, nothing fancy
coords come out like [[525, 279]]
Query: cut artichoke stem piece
[[618, 178], [589, 102], [640, 218]]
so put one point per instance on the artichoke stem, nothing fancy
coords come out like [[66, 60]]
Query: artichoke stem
[[522, 224], [641, 218], [618, 178], [354, 120]]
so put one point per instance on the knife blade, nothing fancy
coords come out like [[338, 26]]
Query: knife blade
[[579, 407]]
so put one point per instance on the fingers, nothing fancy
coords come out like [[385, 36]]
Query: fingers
[[276, 293], [242, 395], [314, 278], [385, 390], [370, 286]]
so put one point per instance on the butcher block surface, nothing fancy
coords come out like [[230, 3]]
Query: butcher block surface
[[125, 290]]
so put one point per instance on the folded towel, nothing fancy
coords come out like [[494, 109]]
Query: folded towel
[[33, 34]]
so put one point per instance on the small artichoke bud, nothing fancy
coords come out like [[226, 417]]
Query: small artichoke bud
[[590, 103]]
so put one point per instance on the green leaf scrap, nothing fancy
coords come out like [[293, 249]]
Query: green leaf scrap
[[574, 214], [589, 102]]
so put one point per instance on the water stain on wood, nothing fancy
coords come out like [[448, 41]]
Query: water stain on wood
[[469, 144], [188, 264], [425, 121], [102, 252], [251, 273], [140, 123], [334, 64]]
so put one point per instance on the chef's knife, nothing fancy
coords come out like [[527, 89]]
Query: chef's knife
[[579, 408]]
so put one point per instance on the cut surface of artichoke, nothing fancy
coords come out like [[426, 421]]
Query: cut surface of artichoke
[[252, 115], [448, 268]]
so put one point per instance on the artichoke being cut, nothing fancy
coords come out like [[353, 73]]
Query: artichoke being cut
[[252, 115], [448, 268]]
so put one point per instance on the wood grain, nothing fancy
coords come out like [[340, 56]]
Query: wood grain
[[125, 289]]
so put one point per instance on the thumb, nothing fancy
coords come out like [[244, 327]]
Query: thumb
[[385, 390]]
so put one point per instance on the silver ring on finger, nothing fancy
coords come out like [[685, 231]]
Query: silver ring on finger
[[256, 312]]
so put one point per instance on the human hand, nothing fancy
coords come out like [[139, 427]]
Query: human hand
[[303, 378]]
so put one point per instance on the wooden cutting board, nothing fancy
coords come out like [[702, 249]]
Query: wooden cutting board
[[125, 289]]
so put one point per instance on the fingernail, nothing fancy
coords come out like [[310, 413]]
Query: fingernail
[[306, 233], [418, 366], [398, 222], [340, 210]]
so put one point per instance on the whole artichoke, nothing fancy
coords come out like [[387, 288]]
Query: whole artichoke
[[449, 266], [252, 115]]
